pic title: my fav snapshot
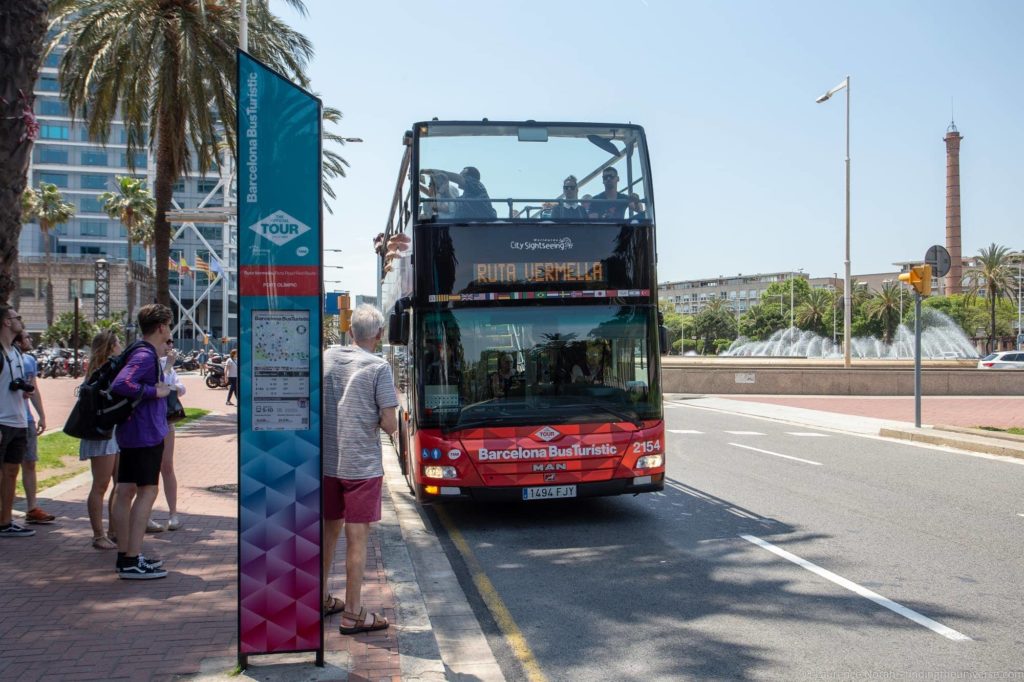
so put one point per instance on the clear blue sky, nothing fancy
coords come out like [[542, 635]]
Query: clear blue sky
[[748, 170]]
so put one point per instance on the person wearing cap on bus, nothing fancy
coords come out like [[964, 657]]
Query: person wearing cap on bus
[[475, 203]]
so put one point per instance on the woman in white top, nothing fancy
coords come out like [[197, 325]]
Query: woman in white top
[[170, 480]]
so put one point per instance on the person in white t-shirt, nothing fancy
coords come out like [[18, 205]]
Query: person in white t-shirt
[[231, 372], [13, 424]]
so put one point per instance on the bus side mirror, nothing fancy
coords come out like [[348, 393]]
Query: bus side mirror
[[663, 339], [398, 323]]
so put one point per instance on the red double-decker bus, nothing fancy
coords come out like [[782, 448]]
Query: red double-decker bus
[[519, 282]]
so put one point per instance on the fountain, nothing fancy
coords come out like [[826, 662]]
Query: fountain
[[941, 338]]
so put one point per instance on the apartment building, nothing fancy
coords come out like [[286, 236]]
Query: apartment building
[[741, 292]]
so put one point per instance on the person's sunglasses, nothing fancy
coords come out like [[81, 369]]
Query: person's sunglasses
[[14, 317], [568, 186]]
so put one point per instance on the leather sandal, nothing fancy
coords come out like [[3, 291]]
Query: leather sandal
[[103, 542], [379, 622], [332, 605]]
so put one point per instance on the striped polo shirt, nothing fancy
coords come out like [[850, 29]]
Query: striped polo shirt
[[357, 386]]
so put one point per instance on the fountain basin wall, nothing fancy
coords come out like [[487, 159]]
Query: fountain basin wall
[[794, 376]]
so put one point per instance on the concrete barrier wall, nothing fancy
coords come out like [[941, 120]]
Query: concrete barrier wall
[[808, 377]]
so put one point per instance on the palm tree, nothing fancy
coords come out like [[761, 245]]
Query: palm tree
[[715, 321], [134, 206], [22, 32], [167, 69], [815, 310], [47, 207], [884, 306], [333, 163], [992, 272]]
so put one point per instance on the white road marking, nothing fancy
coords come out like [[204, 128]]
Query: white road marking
[[1020, 514], [745, 433], [807, 434], [769, 452], [684, 431], [910, 614]]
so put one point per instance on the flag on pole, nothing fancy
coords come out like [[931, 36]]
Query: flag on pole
[[171, 264], [183, 266], [202, 265], [215, 266]]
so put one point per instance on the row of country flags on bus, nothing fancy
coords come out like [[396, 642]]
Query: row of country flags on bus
[[526, 295], [181, 266]]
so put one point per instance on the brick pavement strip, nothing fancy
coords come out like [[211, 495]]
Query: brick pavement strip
[[92, 625]]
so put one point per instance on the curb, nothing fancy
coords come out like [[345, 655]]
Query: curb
[[961, 441], [445, 621]]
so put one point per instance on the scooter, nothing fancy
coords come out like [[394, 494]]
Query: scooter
[[215, 376]]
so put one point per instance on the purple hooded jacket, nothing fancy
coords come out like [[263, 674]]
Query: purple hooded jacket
[[147, 424]]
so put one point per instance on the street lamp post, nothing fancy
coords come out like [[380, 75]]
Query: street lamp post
[[847, 307], [792, 279]]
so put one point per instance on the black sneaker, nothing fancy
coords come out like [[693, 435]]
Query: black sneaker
[[140, 571], [13, 530], [153, 561]]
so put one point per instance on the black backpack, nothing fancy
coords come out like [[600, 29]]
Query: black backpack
[[97, 410]]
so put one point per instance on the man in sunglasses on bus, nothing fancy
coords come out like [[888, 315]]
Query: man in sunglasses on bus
[[609, 205]]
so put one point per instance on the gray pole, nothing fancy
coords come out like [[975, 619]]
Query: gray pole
[[847, 294], [917, 360]]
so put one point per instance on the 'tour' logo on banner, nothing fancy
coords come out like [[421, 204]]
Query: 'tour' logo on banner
[[279, 227]]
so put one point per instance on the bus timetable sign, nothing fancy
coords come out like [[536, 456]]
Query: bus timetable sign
[[280, 313]]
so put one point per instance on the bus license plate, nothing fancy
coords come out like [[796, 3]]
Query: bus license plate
[[549, 492]]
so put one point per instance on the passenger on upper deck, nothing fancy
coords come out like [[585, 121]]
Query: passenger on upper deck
[[438, 191], [609, 204], [636, 207], [569, 208], [475, 203]]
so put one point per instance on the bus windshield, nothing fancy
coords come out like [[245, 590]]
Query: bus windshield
[[481, 172], [521, 365]]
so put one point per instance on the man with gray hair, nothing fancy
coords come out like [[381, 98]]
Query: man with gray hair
[[359, 400]]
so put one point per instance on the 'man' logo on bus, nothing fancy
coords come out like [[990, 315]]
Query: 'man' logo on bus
[[551, 466], [279, 227]]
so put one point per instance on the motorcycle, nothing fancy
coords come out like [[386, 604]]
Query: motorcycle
[[215, 376]]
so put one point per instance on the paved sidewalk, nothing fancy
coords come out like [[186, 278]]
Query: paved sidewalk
[[64, 614]]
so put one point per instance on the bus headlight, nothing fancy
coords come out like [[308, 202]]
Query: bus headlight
[[440, 472], [650, 462]]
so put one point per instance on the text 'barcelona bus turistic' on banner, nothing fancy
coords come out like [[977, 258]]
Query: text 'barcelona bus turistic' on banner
[[279, 319]]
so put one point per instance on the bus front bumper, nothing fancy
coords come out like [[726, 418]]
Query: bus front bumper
[[621, 486]]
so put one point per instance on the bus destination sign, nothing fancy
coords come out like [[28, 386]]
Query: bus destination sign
[[461, 262]]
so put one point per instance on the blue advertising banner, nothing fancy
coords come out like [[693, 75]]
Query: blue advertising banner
[[279, 318]]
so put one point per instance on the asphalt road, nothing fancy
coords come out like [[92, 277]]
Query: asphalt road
[[775, 552]]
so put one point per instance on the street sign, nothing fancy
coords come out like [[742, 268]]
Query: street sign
[[938, 258]]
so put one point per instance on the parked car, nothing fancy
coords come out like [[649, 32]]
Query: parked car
[[1007, 359]]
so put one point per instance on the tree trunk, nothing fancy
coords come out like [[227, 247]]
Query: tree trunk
[[130, 290], [22, 29], [163, 193], [992, 310], [45, 229]]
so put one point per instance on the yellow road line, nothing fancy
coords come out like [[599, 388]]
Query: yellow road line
[[495, 605]]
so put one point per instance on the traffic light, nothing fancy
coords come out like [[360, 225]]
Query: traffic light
[[344, 320], [919, 277]]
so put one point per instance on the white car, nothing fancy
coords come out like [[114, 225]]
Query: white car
[[1007, 359]]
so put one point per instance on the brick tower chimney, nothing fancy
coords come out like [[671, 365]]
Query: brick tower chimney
[[953, 278]]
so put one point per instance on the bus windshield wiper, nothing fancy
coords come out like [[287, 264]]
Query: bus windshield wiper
[[625, 414], [485, 420]]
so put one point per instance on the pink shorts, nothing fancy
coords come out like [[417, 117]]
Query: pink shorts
[[355, 501]]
